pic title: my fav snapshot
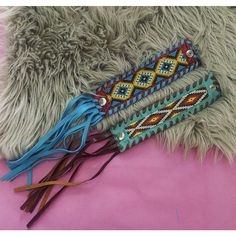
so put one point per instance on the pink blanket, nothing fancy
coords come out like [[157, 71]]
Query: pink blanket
[[143, 188]]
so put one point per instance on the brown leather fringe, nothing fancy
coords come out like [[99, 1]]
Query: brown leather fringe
[[70, 163]]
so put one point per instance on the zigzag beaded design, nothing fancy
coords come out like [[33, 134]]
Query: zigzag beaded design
[[157, 72], [167, 112]]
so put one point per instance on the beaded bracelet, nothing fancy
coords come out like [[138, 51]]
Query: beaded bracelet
[[86, 111], [149, 121]]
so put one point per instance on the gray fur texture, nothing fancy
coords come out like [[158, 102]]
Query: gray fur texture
[[56, 53]]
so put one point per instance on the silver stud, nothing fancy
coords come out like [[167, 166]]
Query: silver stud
[[121, 136], [189, 53], [102, 101], [212, 86]]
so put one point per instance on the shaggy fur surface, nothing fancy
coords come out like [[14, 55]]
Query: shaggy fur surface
[[55, 53]]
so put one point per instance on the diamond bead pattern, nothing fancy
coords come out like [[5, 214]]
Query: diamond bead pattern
[[144, 79], [166, 66], [122, 91], [155, 73], [169, 111]]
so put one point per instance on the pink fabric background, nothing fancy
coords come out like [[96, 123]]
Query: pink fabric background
[[143, 188]]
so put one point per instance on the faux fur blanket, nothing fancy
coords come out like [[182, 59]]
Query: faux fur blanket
[[55, 53]]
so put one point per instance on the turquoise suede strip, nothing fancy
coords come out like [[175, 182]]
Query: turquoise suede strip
[[82, 108]]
